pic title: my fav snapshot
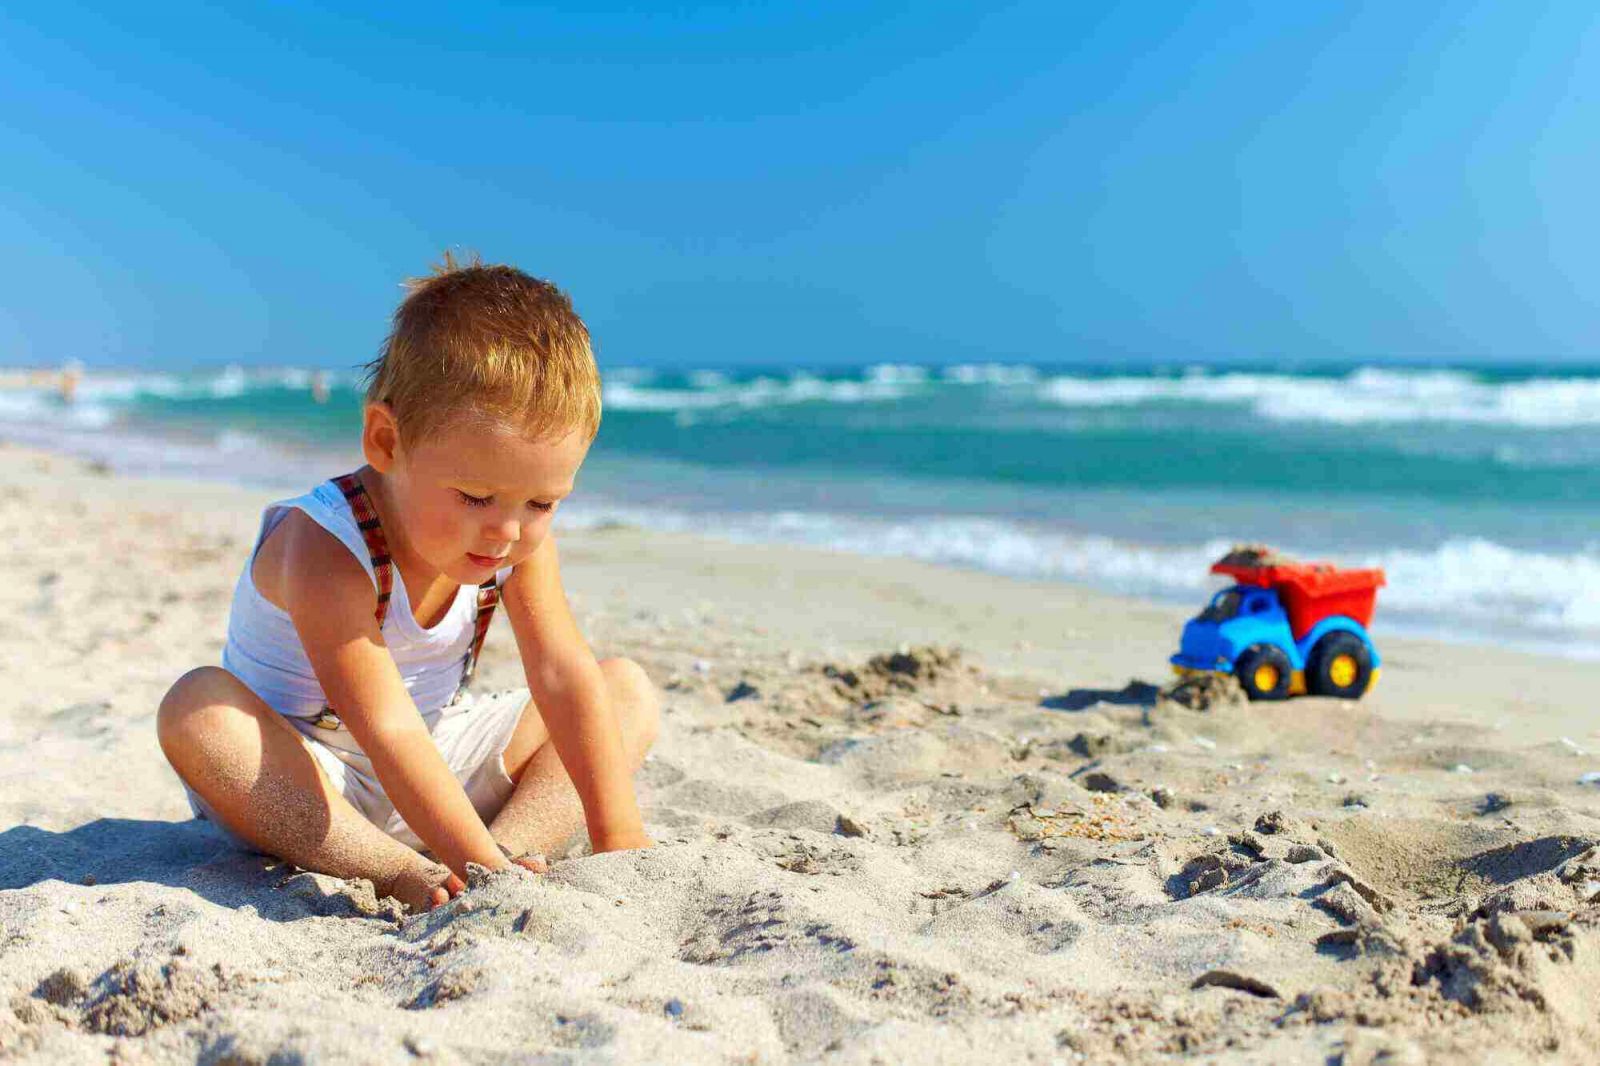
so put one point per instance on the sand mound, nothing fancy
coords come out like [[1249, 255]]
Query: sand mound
[[1544, 960], [1205, 692]]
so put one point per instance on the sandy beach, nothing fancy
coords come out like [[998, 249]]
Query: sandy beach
[[904, 814]]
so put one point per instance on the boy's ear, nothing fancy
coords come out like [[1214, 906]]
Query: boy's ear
[[380, 436]]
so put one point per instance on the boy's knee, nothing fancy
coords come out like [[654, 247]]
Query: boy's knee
[[184, 708], [629, 681]]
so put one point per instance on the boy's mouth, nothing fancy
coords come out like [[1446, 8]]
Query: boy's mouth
[[488, 562]]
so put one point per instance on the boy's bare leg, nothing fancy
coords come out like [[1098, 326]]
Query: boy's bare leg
[[544, 811], [253, 769]]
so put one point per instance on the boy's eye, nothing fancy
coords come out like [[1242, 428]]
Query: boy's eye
[[537, 506], [474, 501]]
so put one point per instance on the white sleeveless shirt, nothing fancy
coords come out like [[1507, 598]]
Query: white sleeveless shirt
[[264, 651]]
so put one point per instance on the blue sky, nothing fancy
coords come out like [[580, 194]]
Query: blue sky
[[719, 184]]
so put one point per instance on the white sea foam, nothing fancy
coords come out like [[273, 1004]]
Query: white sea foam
[[40, 408], [1490, 581], [1366, 396], [1369, 395], [990, 374], [758, 392], [122, 388], [898, 373], [1459, 587]]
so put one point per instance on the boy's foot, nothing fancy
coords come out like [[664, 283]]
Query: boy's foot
[[531, 861], [424, 887]]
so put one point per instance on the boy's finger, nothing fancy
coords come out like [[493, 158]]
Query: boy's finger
[[532, 862], [455, 886]]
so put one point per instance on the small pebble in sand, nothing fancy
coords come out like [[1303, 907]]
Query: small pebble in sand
[[1206, 743], [1335, 777], [702, 666], [1162, 797], [1572, 746], [847, 826], [1210, 831], [1494, 802], [1590, 778], [420, 1046], [1461, 768], [674, 1008]]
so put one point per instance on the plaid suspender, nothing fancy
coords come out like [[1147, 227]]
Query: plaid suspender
[[488, 600], [372, 532], [366, 516]]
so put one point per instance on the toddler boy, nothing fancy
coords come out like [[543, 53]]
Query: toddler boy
[[338, 733]]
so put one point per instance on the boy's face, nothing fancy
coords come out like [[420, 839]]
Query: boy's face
[[475, 498]]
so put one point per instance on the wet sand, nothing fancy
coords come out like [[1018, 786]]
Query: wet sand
[[904, 813]]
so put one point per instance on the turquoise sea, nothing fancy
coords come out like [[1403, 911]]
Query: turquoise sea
[[1477, 489]]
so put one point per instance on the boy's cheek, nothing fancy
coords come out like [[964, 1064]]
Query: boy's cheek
[[451, 538]]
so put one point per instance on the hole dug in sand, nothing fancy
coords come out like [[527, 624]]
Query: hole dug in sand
[[1426, 859], [804, 711], [1526, 942]]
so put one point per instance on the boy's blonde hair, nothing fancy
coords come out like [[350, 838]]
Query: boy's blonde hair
[[486, 342]]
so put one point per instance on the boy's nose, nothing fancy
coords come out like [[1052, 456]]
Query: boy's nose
[[509, 531]]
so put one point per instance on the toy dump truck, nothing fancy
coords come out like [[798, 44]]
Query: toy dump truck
[[1286, 628]]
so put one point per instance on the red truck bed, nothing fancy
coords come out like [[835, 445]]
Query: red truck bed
[[1310, 591]]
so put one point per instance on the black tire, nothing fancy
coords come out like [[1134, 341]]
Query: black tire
[[1323, 679], [1248, 670]]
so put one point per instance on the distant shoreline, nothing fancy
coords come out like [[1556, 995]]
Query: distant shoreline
[[1478, 493]]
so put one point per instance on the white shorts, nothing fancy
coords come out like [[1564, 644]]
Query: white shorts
[[471, 734]]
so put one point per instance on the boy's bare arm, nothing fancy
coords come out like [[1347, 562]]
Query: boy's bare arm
[[566, 683], [331, 601]]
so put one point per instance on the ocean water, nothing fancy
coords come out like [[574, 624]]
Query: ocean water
[[1478, 490]]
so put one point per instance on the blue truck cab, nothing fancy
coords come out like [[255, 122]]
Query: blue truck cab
[[1245, 631]]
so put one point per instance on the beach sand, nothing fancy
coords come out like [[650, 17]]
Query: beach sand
[[905, 814]]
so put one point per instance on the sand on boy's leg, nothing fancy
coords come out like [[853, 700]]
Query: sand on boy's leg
[[544, 810], [253, 769]]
